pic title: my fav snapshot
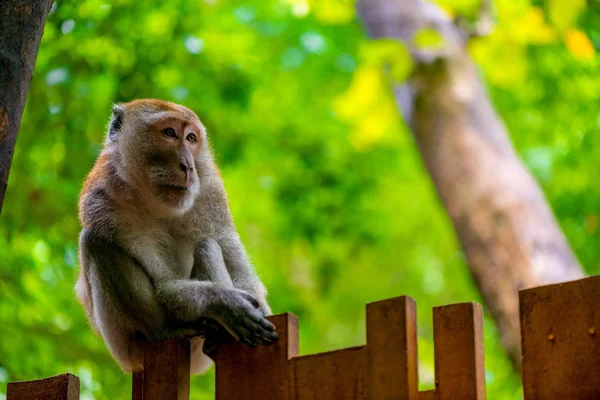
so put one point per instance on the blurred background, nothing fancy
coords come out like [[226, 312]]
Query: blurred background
[[326, 185]]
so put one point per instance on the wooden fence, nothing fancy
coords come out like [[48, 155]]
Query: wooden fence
[[560, 340]]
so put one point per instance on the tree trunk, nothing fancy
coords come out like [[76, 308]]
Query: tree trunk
[[21, 27], [504, 224]]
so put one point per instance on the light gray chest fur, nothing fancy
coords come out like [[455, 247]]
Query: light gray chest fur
[[163, 255]]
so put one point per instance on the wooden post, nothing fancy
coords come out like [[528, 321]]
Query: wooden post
[[560, 329], [336, 375], [166, 374], [60, 387], [458, 350], [261, 373], [428, 395], [137, 386], [392, 350]]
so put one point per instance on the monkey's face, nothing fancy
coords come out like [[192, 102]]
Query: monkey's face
[[171, 160], [163, 144]]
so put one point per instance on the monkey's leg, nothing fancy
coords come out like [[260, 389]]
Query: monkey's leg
[[209, 264], [240, 269]]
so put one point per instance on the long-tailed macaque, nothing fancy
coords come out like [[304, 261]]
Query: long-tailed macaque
[[160, 256]]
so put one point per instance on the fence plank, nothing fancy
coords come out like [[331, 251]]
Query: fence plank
[[137, 386], [336, 375], [458, 351], [392, 350], [261, 373], [60, 387], [166, 374], [560, 333], [428, 395]]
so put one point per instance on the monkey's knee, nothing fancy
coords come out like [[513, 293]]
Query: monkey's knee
[[209, 263], [209, 247]]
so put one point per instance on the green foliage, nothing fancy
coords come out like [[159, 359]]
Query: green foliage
[[326, 185]]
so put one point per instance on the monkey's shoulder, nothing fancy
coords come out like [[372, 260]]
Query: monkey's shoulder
[[96, 210]]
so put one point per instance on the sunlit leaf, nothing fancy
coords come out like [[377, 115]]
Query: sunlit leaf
[[579, 45], [460, 7], [428, 39], [333, 11]]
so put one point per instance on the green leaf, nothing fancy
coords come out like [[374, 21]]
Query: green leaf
[[565, 13]]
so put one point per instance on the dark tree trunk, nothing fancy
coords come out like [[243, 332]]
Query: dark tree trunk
[[21, 27], [504, 224]]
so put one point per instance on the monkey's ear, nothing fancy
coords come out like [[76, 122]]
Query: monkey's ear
[[116, 121]]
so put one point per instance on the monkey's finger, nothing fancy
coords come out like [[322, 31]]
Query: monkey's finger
[[265, 337], [261, 341], [256, 316], [258, 334], [266, 324], [273, 336], [248, 342], [257, 331], [243, 332], [269, 337], [251, 299], [214, 326], [259, 328]]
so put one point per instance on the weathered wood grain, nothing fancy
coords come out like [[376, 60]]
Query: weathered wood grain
[[560, 328], [261, 373], [137, 386], [428, 395], [166, 374], [60, 387], [336, 375], [392, 362], [458, 352]]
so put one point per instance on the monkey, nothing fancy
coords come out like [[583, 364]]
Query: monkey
[[159, 253]]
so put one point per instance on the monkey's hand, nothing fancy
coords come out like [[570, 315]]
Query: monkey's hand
[[215, 336], [240, 314]]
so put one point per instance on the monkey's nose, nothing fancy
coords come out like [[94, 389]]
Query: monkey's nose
[[185, 168]]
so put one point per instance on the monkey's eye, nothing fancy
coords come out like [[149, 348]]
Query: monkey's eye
[[169, 132], [192, 137]]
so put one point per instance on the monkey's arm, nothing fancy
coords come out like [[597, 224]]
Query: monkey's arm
[[240, 269], [116, 281], [236, 310], [161, 308]]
